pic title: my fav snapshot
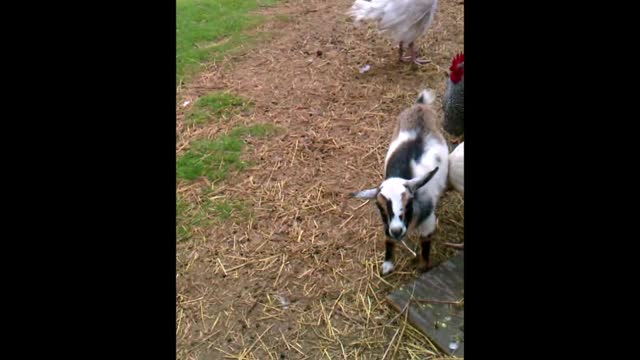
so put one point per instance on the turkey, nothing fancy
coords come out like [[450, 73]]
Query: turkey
[[453, 107], [402, 20]]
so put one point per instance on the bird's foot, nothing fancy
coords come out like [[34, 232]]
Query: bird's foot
[[455, 246], [417, 61], [421, 61]]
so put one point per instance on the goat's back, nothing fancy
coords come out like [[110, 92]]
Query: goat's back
[[417, 147]]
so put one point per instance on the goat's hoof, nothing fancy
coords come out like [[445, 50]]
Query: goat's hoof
[[387, 268], [423, 268]]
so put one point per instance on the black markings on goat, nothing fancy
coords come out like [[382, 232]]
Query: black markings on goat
[[399, 164]]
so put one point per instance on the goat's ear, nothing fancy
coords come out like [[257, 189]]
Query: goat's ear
[[426, 97], [417, 183], [365, 194]]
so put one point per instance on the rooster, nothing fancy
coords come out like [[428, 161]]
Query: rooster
[[403, 20], [453, 100], [453, 107]]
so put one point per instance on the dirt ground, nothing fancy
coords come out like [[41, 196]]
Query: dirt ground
[[299, 277]]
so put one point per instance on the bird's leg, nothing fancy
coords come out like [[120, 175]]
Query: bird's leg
[[405, 58], [414, 56], [400, 51]]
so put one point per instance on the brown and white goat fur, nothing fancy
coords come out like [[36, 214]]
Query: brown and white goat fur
[[415, 168]]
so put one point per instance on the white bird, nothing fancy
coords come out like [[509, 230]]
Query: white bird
[[403, 20], [456, 168], [456, 178]]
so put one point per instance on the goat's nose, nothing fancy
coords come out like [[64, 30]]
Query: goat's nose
[[395, 233]]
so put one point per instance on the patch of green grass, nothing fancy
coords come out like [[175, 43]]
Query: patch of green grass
[[216, 158], [191, 217], [257, 130], [188, 217], [206, 29], [224, 209], [215, 105]]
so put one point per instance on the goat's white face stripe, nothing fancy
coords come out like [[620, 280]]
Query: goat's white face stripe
[[393, 189]]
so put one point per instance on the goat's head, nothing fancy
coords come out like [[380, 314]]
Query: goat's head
[[394, 199]]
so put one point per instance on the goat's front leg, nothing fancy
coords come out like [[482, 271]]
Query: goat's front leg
[[387, 265], [425, 251], [426, 230]]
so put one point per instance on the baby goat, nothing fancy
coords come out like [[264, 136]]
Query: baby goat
[[415, 168]]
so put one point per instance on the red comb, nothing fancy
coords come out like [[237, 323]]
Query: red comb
[[456, 72], [456, 60]]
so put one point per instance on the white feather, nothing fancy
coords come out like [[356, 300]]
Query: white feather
[[456, 168], [403, 20]]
